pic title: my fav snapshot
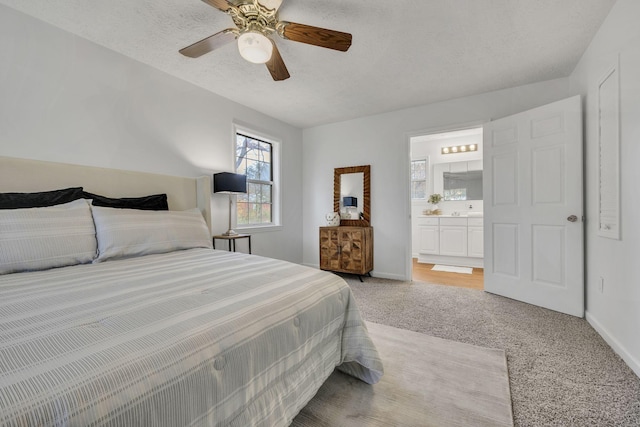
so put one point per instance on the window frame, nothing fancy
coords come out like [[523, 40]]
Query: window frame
[[276, 207]]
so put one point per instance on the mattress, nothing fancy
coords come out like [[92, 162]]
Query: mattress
[[192, 337]]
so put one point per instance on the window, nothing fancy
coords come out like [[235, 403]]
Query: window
[[455, 194], [255, 157], [418, 179]]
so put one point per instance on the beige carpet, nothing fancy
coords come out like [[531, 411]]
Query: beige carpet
[[428, 381]]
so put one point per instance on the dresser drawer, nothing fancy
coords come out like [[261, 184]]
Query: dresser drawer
[[454, 221]]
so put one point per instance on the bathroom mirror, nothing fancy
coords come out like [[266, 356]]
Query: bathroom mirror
[[458, 180], [462, 185], [352, 195]]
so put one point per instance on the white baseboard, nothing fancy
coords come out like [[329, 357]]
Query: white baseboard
[[633, 363], [389, 276], [373, 273], [451, 260]]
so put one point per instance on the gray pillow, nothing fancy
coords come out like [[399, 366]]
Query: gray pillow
[[154, 202], [41, 199], [42, 238], [123, 233]]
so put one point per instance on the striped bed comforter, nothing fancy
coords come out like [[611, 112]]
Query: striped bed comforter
[[194, 337]]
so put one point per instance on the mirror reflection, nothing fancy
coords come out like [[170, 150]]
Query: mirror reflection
[[458, 180], [462, 185], [351, 195]]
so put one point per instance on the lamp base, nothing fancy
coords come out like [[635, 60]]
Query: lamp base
[[230, 232]]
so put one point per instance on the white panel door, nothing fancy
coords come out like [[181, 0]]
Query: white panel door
[[533, 207]]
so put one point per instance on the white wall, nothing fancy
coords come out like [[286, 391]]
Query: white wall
[[382, 141], [615, 312], [65, 99]]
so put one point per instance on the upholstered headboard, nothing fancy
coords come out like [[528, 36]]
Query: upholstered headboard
[[23, 175]]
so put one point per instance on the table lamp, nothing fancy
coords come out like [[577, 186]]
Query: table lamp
[[230, 183]]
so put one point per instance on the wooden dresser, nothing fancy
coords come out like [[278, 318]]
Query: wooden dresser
[[347, 249]]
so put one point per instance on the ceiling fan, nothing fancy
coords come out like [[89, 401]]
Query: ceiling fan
[[256, 22]]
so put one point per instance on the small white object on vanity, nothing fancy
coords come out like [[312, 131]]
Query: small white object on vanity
[[451, 239]]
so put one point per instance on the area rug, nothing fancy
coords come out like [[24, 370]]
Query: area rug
[[452, 269], [428, 381]]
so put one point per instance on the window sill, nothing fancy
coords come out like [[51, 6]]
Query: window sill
[[258, 228]]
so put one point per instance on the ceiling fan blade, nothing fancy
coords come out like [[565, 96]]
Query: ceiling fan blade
[[273, 5], [223, 5], [276, 65], [208, 44], [316, 36]]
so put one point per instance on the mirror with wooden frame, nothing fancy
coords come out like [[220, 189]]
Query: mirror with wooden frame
[[352, 195]]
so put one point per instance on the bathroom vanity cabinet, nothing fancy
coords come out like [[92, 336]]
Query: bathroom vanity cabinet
[[452, 240]]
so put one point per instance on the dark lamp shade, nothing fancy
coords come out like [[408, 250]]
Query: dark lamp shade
[[350, 201], [227, 182]]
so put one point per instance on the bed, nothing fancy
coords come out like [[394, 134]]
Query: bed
[[147, 332]]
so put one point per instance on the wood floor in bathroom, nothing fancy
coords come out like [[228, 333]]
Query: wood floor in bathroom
[[423, 273]]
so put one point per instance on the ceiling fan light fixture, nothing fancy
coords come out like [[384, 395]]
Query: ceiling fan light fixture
[[255, 47]]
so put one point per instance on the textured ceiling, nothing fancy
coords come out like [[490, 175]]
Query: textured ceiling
[[404, 53]]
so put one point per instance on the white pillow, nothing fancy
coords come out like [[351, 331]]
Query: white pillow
[[125, 233], [42, 238]]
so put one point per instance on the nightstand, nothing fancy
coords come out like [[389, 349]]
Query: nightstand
[[232, 240]]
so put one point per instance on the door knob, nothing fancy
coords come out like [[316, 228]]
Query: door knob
[[572, 218]]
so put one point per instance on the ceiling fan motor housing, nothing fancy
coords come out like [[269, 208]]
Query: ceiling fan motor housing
[[254, 17]]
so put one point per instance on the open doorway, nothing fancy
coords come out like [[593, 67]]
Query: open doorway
[[447, 208]]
